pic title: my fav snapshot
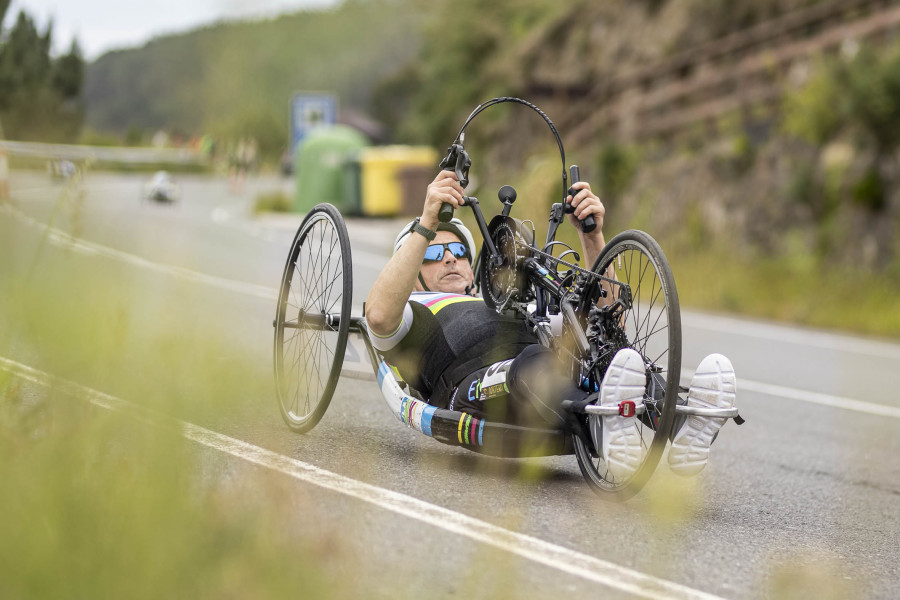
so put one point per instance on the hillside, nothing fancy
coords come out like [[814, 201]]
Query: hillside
[[237, 78], [417, 66]]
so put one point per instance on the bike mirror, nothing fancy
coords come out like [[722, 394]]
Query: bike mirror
[[507, 194]]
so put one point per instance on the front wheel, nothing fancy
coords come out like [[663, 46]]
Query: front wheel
[[649, 322], [313, 317]]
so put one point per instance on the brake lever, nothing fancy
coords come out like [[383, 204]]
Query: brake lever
[[458, 161]]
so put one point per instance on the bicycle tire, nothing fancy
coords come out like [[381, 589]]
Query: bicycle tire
[[653, 328], [309, 342]]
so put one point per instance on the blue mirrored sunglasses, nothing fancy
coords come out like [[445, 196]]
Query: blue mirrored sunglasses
[[435, 252]]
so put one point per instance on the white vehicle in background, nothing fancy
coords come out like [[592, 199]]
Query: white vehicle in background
[[61, 169], [162, 189]]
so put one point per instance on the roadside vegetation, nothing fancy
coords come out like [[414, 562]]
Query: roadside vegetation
[[114, 504], [804, 199], [101, 505], [40, 95], [272, 201]]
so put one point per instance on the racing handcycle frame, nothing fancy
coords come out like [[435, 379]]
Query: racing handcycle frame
[[626, 299]]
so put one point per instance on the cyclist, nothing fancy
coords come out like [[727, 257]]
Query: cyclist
[[459, 354]]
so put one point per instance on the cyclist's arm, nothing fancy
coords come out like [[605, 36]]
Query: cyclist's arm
[[388, 296], [587, 203]]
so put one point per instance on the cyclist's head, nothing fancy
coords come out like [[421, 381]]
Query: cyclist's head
[[452, 271], [455, 226]]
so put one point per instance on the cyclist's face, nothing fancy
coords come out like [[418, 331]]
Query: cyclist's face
[[450, 274]]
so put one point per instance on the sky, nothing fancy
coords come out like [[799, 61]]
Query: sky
[[103, 25]]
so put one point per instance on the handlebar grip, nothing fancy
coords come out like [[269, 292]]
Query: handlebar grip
[[588, 224], [445, 213]]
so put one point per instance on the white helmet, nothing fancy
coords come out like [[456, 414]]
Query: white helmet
[[455, 226]]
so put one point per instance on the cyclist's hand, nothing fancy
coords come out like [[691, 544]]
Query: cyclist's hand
[[585, 203], [444, 188]]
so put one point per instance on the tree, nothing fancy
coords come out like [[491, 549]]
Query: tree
[[26, 54], [68, 73], [463, 63], [4, 6], [39, 96]]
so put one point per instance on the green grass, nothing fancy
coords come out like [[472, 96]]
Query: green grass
[[792, 289], [274, 201]]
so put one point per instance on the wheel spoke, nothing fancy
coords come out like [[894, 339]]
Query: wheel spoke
[[651, 325], [316, 281]]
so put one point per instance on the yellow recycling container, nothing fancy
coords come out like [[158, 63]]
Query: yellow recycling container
[[381, 182]]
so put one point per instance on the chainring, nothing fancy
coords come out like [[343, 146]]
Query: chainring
[[504, 281]]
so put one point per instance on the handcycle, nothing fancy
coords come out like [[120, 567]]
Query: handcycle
[[627, 299]]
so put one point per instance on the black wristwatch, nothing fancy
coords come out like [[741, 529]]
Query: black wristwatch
[[424, 231]]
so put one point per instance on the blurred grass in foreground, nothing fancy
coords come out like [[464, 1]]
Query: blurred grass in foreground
[[150, 339], [98, 505]]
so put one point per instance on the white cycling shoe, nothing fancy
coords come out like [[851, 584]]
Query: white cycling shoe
[[622, 446], [714, 385]]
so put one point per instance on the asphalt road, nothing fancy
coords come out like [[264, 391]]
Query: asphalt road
[[803, 500]]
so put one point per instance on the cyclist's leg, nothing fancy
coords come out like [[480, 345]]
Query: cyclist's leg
[[537, 380], [621, 443], [714, 385], [538, 386], [526, 390], [484, 394]]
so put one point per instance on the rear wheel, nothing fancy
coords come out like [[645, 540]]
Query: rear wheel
[[650, 324], [313, 317]]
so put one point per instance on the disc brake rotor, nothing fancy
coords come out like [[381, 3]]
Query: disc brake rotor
[[502, 282]]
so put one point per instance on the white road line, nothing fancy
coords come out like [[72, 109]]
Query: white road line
[[65, 187], [779, 333], [63, 239], [551, 555], [788, 393], [817, 398]]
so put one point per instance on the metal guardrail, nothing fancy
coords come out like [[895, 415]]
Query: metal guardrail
[[134, 156], [744, 70]]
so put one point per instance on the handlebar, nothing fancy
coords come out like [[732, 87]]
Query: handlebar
[[458, 161], [588, 224], [445, 213]]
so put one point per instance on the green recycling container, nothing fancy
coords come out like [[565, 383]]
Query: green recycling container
[[321, 168]]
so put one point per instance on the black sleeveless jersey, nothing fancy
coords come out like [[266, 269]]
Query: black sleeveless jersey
[[444, 337]]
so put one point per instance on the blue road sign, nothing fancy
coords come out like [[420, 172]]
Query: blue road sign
[[309, 111]]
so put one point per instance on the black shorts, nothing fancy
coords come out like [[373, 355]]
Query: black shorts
[[526, 390]]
